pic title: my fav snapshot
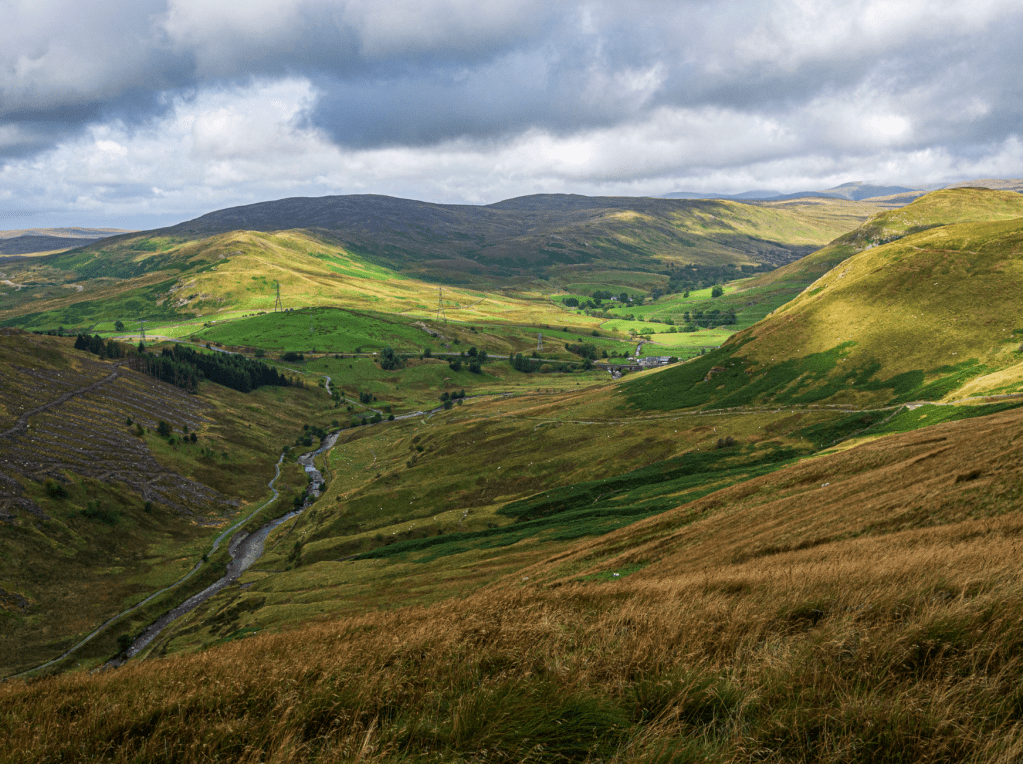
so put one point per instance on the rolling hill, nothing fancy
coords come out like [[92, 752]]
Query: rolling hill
[[542, 231], [859, 606], [931, 314], [335, 249]]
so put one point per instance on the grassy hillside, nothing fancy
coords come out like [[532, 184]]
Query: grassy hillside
[[97, 510], [754, 298], [392, 255], [928, 316], [860, 606], [761, 554], [545, 231], [963, 205]]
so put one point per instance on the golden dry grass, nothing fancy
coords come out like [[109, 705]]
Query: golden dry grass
[[772, 621]]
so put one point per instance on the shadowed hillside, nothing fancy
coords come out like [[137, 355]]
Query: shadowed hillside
[[544, 230], [44, 240]]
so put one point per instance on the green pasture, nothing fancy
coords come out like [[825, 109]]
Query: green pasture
[[705, 338], [331, 330], [419, 385], [617, 282]]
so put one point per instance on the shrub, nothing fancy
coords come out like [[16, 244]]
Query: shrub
[[55, 490], [93, 511], [163, 429]]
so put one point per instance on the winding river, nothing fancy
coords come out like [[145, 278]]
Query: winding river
[[244, 549]]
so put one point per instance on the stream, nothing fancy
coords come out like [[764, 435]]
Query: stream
[[244, 549]]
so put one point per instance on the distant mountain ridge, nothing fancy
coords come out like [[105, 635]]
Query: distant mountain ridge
[[31, 241], [856, 191], [533, 233]]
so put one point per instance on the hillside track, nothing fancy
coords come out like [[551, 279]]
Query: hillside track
[[66, 424], [22, 424]]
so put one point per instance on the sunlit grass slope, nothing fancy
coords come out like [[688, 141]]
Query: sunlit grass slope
[[932, 315], [963, 205], [232, 274], [858, 607]]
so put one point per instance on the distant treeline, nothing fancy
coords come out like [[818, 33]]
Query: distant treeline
[[166, 369], [528, 365], [698, 318], [184, 366]]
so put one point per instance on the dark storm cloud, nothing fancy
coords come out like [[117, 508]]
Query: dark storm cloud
[[395, 73]]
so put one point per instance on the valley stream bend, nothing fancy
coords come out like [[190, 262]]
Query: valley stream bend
[[244, 549]]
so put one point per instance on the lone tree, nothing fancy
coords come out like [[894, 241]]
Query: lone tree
[[717, 291]]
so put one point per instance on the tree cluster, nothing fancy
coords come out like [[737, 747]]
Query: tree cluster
[[684, 278], [229, 369], [583, 350], [391, 361], [97, 346], [699, 319], [184, 367], [166, 369], [474, 358]]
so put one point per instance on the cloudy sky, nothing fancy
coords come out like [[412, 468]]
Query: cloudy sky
[[144, 113]]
